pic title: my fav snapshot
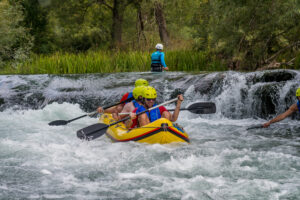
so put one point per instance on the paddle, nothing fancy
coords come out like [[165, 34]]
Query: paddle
[[197, 108], [96, 130], [255, 127], [64, 122], [200, 108]]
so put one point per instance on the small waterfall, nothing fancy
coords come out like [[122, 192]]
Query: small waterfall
[[236, 94]]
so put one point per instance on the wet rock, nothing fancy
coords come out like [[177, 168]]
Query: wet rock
[[275, 76], [21, 88], [71, 89], [244, 94], [2, 102], [91, 103], [176, 92], [268, 103], [266, 98], [29, 101], [209, 84], [290, 97], [36, 100]]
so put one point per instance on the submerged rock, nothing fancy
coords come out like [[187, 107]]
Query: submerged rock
[[209, 84], [1, 102], [266, 100], [176, 92], [275, 76]]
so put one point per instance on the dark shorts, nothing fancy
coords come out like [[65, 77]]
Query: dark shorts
[[156, 67]]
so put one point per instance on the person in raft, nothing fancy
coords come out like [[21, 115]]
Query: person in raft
[[158, 59], [293, 108], [127, 96], [133, 106], [149, 97]]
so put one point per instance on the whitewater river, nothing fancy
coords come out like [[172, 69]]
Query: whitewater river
[[223, 161]]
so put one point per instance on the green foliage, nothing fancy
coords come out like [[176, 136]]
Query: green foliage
[[15, 41], [297, 61], [108, 62], [180, 17], [80, 25], [205, 35], [248, 33], [35, 19], [192, 61], [90, 62]]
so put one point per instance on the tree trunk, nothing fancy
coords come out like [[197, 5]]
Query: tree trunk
[[161, 22], [140, 24], [118, 13]]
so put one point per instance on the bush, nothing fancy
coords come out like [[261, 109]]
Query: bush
[[15, 40]]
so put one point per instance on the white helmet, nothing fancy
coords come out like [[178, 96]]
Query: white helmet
[[159, 46]]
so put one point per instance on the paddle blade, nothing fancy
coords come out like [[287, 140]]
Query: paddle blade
[[255, 127], [202, 108], [92, 132], [58, 123]]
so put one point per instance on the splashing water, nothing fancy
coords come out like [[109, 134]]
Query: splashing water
[[223, 161]]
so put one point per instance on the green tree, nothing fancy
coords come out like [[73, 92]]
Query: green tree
[[36, 20], [79, 25], [83, 24], [15, 40], [251, 33]]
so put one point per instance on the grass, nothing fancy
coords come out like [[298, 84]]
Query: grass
[[110, 62]]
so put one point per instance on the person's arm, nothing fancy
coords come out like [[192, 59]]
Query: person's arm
[[126, 109], [282, 116], [129, 122], [175, 114], [115, 109], [143, 119], [162, 60], [120, 107], [108, 110]]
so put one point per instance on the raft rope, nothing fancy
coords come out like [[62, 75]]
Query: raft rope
[[155, 127]]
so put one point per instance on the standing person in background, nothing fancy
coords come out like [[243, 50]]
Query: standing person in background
[[293, 108], [158, 59]]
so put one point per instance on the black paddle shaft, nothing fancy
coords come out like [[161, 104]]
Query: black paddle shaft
[[64, 122], [112, 105]]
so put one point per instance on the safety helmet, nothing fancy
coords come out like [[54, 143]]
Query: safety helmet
[[138, 91], [149, 92], [159, 46], [298, 92], [141, 82]]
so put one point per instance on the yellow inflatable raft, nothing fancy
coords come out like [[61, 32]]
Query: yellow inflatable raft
[[161, 131]]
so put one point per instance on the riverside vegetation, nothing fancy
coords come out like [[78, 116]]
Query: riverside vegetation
[[109, 61], [89, 36]]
